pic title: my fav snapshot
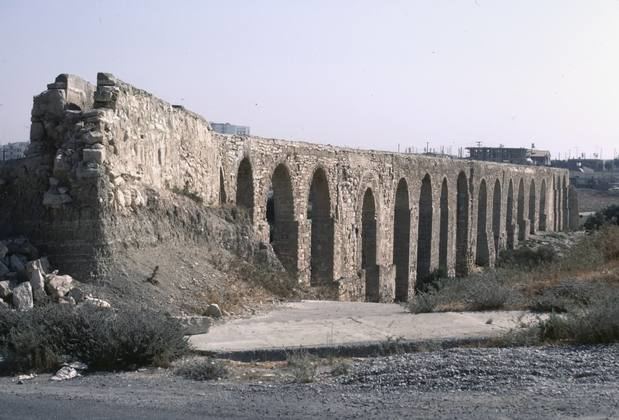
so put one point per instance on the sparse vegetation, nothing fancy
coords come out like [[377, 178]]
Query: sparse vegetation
[[536, 279], [595, 322], [483, 291], [608, 215], [45, 337], [203, 369], [303, 366]]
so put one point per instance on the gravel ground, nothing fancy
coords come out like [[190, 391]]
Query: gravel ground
[[523, 383]]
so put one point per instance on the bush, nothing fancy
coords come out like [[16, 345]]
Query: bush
[[597, 322], [609, 215], [45, 337], [303, 366], [526, 257], [566, 295], [202, 369], [479, 292]]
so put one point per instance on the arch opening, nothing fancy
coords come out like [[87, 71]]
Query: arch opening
[[443, 244], [368, 246], [532, 207], [542, 207], [424, 233], [496, 217], [283, 228], [245, 188], [565, 212], [319, 215], [401, 241], [520, 212], [481, 249], [462, 226], [509, 217], [222, 188]]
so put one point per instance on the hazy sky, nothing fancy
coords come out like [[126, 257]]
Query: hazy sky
[[371, 74]]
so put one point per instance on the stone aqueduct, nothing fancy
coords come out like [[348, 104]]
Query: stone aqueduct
[[372, 223], [377, 221]]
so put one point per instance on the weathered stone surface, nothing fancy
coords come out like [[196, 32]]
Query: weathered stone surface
[[6, 289], [36, 276], [58, 286], [65, 373], [4, 305], [3, 250], [95, 302], [22, 297], [3, 269], [213, 311], [17, 264], [193, 325], [56, 200]]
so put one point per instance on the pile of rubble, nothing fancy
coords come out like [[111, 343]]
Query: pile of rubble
[[27, 279]]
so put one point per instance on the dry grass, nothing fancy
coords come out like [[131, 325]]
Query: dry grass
[[532, 279]]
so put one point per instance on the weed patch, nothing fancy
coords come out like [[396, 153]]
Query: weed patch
[[207, 369]]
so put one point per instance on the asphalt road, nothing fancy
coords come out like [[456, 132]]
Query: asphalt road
[[522, 383]]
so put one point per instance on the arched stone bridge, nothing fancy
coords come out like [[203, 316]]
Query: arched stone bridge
[[373, 224], [379, 223]]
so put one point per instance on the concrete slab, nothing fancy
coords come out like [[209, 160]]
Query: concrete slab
[[351, 326]]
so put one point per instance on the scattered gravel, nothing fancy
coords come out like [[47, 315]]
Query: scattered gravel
[[497, 370], [523, 383]]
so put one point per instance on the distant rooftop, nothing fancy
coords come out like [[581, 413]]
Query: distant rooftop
[[227, 128]]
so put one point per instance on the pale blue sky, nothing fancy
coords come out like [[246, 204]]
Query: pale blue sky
[[367, 74]]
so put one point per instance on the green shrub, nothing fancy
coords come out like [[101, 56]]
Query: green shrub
[[526, 257], [202, 369], [597, 322], [609, 215], [45, 337], [484, 291], [566, 295]]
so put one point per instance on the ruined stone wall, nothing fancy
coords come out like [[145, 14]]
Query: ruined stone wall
[[106, 162]]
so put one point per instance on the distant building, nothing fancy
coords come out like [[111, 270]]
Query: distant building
[[517, 155], [11, 151], [227, 128]]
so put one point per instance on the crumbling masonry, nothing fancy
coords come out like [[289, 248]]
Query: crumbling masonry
[[370, 224]]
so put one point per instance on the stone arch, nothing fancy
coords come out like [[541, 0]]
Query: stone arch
[[482, 253], [443, 241], [509, 216], [532, 208], [542, 207], [424, 232], [319, 215], [280, 214], [520, 212], [401, 240], [558, 204], [245, 187], [462, 226], [554, 204], [222, 188], [369, 246], [496, 216], [565, 213]]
